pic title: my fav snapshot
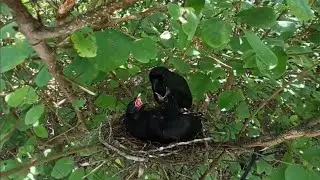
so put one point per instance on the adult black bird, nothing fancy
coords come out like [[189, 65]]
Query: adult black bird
[[170, 86], [152, 125]]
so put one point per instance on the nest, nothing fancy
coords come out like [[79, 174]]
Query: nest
[[114, 136]]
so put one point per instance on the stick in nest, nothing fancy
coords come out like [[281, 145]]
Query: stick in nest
[[177, 144], [127, 156], [157, 150]]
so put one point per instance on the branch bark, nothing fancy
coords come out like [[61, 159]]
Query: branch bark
[[290, 135], [90, 18], [29, 26]]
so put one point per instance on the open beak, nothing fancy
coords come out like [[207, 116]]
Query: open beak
[[138, 103], [161, 98]]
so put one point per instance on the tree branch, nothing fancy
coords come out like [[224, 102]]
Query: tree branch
[[28, 26], [301, 74], [213, 165], [290, 135], [90, 18], [41, 161]]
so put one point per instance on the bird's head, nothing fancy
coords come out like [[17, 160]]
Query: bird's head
[[158, 73], [157, 78], [135, 105]]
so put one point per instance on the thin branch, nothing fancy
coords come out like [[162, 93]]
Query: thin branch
[[42, 161], [177, 144], [118, 151], [290, 135], [113, 74], [212, 166], [301, 74], [140, 15], [28, 26], [9, 133], [90, 18]]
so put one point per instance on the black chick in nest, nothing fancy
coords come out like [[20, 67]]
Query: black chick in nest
[[170, 86], [152, 125]]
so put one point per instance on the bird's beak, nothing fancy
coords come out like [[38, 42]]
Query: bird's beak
[[138, 103], [159, 96]]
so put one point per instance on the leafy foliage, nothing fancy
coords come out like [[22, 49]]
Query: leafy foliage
[[252, 67]]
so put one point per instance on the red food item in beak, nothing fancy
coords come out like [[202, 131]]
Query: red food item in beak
[[138, 102]]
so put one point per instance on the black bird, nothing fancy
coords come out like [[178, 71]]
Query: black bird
[[152, 125], [170, 86]]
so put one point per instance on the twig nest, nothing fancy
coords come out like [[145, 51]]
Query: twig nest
[[115, 137]]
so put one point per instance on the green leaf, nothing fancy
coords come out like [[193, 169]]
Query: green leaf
[[182, 41], [239, 44], [109, 55], [249, 57], [23, 150], [81, 71], [190, 23], [298, 50], [12, 164], [243, 110], [62, 168], [4, 9], [264, 167], [96, 120], [301, 9], [21, 96], [13, 55], [295, 172], [217, 72], [174, 10], [302, 60], [79, 103], [197, 5], [106, 101], [282, 56], [284, 26], [40, 131], [34, 114], [312, 174], [316, 95], [312, 155], [7, 30], [264, 55], [144, 50], [122, 73], [66, 113], [180, 65], [280, 69], [314, 37], [206, 65], [7, 122], [215, 32], [228, 99], [199, 84], [2, 85], [262, 17], [43, 77], [77, 174], [84, 42]]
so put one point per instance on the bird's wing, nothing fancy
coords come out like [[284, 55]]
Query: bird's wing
[[175, 128]]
